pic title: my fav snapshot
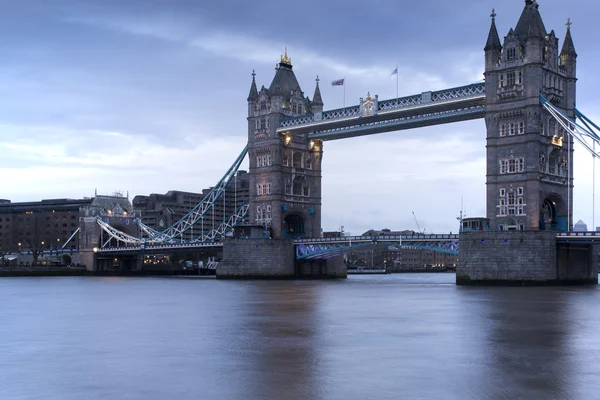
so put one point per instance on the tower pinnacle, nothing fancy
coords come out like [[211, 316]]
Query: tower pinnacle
[[317, 100], [253, 96], [285, 60], [493, 41]]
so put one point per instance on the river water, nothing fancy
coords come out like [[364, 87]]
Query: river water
[[405, 336]]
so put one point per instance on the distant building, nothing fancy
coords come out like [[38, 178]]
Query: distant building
[[49, 224], [332, 234], [160, 211], [580, 226], [405, 258]]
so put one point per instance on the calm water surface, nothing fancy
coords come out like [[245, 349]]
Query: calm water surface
[[409, 336]]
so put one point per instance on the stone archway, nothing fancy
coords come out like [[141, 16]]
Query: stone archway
[[294, 226], [553, 214]]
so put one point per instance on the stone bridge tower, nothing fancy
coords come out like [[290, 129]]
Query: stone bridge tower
[[285, 171], [529, 155]]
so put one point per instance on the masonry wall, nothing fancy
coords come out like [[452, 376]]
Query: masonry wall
[[577, 262], [506, 257], [257, 258], [523, 258], [322, 269]]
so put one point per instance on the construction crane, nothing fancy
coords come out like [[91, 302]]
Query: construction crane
[[417, 222]]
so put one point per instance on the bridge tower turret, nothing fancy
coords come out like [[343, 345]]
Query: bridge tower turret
[[529, 156], [285, 171]]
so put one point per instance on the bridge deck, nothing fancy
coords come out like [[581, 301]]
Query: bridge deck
[[428, 108]]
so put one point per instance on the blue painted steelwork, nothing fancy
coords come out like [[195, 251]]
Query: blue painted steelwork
[[420, 120], [581, 134], [324, 248], [159, 248], [320, 121]]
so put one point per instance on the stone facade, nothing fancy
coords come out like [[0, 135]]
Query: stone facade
[[529, 155], [273, 259], [285, 171], [257, 258], [524, 258]]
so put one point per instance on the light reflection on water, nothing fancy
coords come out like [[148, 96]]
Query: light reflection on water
[[406, 336]]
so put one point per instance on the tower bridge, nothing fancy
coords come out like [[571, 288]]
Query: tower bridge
[[528, 104]]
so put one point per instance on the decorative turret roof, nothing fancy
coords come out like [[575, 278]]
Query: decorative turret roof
[[285, 60], [530, 21], [285, 80], [534, 32], [317, 100], [568, 47], [253, 96], [493, 41]]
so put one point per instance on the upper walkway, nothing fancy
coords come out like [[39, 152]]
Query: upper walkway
[[375, 116]]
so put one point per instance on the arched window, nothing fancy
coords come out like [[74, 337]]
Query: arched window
[[297, 160]]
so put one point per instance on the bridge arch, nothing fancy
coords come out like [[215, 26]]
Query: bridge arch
[[553, 213], [295, 225]]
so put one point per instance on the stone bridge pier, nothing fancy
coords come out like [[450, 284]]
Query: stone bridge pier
[[273, 259]]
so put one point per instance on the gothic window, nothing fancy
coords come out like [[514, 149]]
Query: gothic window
[[258, 162], [501, 80], [503, 129], [268, 188], [258, 213], [520, 77], [285, 161], [297, 188], [511, 54], [263, 105], [520, 191], [512, 166], [288, 188], [552, 165], [264, 161], [502, 192], [510, 79], [263, 123], [308, 163], [521, 164], [294, 108], [297, 160], [259, 189], [511, 129], [269, 213], [521, 127], [299, 109], [503, 166], [269, 160], [551, 127], [305, 191], [522, 227]]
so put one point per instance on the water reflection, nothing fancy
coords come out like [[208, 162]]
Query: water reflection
[[526, 353], [370, 337], [282, 320]]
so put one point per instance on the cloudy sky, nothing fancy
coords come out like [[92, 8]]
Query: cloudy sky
[[147, 96]]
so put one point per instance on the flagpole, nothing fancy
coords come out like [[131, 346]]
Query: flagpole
[[396, 81], [344, 83]]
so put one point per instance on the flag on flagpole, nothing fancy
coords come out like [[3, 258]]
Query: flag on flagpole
[[395, 72], [338, 82]]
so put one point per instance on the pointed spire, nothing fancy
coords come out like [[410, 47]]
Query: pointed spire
[[568, 47], [534, 32], [253, 96], [317, 100], [285, 60], [530, 21], [493, 41]]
